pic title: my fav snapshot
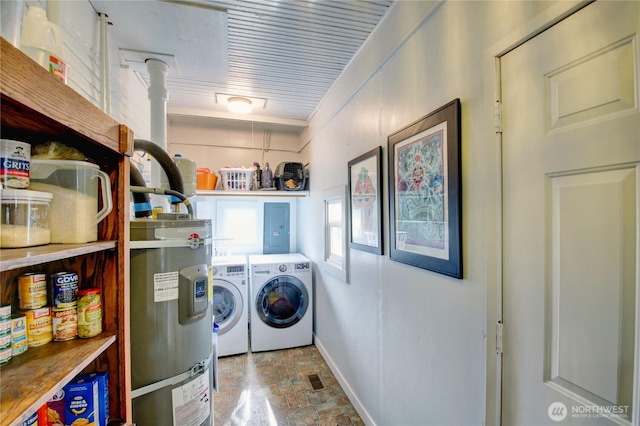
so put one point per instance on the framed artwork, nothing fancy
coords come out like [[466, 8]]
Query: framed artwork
[[425, 197], [365, 202]]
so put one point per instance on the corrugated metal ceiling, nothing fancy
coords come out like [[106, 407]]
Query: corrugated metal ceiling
[[285, 55]]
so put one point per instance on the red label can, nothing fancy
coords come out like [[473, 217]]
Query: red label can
[[65, 323], [32, 291]]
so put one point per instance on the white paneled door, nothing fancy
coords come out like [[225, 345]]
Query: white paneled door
[[571, 185]]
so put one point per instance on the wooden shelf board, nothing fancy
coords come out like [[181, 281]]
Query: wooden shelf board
[[30, 379], [21, 86], [24, 257]]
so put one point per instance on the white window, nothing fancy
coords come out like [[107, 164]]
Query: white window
[[336, 252], [240, 222], [335, 235]]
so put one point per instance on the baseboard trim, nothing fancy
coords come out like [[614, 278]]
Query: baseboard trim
[[366, 418]]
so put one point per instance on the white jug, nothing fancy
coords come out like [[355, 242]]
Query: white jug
[[74, 215], [42, 41]]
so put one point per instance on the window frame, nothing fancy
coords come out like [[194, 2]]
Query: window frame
[[336, 265]]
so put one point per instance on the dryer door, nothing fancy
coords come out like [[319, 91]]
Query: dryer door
[[227, 305], [282, 301]]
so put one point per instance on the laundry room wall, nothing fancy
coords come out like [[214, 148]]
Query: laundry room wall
[[128, 102], [412, 347], [215, 144]]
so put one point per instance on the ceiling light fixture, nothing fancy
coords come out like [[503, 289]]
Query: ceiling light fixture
[[239, 105]]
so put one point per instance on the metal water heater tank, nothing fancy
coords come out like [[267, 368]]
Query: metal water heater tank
[[171, 335]]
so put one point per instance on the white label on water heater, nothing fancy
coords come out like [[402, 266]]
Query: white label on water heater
[[165, 286], [191, 402]]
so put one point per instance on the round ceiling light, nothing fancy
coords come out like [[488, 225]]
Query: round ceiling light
[[239, 105]]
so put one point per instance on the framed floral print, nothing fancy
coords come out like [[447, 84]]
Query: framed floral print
[[365, 201], [425, 196]]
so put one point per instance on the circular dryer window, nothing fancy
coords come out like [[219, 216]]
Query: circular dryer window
[[227, 306], [282, 301]]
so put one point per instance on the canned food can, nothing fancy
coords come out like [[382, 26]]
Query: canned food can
[[5, 356], [89, 313], [19, 346], [39, 327], [15, 160], [5, 327], [5, 341], [5, 312], [18, 325], [64, 290], [65, 323], [18, 335], [32, 290]]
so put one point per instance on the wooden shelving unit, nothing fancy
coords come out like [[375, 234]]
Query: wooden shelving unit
[[36, 107]]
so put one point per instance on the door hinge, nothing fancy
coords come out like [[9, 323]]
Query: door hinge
[[498, 117], [499, 337]]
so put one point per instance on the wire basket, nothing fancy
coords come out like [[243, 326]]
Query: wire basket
[[237, 179]]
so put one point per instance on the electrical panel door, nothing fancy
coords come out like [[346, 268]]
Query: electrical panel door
[[276, 228]]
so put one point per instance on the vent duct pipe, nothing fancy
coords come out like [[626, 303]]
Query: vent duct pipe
[[158, 96]]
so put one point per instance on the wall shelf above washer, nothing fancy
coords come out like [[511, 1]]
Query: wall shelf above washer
[[220, 193]]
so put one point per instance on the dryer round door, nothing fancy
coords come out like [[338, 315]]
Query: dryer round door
[[282, 301], [227, 305]]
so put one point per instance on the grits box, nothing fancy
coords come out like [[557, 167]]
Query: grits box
[[81, 402]]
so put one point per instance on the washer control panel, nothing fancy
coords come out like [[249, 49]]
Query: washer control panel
[[275, 269], [303, 266], [228, 271]]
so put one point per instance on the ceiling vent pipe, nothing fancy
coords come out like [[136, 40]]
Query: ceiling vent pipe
[[158, 95]]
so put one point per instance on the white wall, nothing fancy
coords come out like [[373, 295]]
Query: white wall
[[410, 346], [81, 34], [231, 144]]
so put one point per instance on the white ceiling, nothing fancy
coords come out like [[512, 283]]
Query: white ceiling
[[284, 55]]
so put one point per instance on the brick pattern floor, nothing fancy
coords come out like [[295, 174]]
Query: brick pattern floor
[[272, 388]]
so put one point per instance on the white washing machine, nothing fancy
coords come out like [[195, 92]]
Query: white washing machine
[[281, 304], [230, 304]]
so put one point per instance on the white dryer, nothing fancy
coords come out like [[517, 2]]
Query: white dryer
[[281, 306], [230, 304]]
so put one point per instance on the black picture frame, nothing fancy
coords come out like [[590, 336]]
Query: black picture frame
[[425, 193], [365, 202]]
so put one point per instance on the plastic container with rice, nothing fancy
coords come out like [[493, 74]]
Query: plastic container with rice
[[24, 219]]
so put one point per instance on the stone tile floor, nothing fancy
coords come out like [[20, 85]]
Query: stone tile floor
[[272, 388]]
